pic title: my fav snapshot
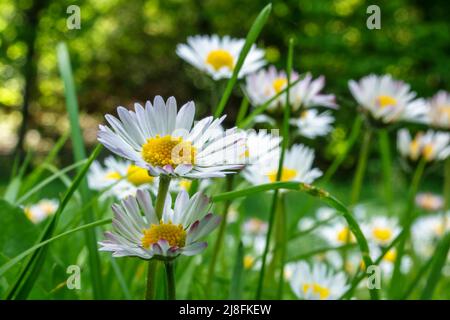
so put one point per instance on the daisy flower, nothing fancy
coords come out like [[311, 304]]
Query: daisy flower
[[178, 231], [165, 142], [387, 100], [312, 124], [388, 262], [430, 145], [263, 85], [439, 110], [40, 211], [306, 93], [427, 231], [261, 146], [337, 234], [429, 201], [254, 232], [317, 282], [122, 177], [297, 166], [217, 56], [381, 230]]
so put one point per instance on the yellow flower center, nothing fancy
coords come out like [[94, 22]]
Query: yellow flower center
[[386, 101], [220, 58], [279, 84], [174, 234], [444, 111], [428, 151], [48, 208], [160, 151], [390, 256], [316, 289], [345, 235], [138, 176], [248, 262], [286, 175], [185, 184], [114, 175], [382, 234]]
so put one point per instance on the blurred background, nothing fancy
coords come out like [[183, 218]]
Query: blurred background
[[124, 52]]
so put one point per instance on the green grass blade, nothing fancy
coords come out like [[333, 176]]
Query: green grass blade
[[315, 192], [245, 123], [30, 266], [80, 154], [440, 258], [252, 35], [238, 270], [11, 263], [16, 181], [48, 180]]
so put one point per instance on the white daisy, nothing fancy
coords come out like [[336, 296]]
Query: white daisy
[[429, 201], [306, 93], [121, 177], [388, 262], [312, 124], [41, 210], [317, 282], [218, 56], [297, 166], [263, 85], [387, 99], [337, 234], [164, 141], [261, 146], [427, 231], [439, 110], [178, 232], [431, 145], [381, 230]]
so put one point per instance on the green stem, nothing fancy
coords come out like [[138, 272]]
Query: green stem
[[361, 169], [163, 188], [353, 137], [285, 143], [242, 110], [396, 279], [383, 140], [151, 275], [171, 294], [282, 244], [220, 236]]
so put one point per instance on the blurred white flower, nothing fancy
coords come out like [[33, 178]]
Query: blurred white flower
[[297, 166], [428, 230], [381, 230], [306, 93], [337, 233], [41, 210], [217, 56], [439, 110], [312, 124], [119, 178], [430, 145], [429, 201], [317, 282], [388, 100]]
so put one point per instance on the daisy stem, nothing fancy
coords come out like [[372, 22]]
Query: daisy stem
[[170, 280], [285, 143], [220, 236], [163, 188], [396, 279], [383, 140], [151, 275], [282, 244], [361, 168], [242, 110]]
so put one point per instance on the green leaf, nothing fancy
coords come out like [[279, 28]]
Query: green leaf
[[30, 272], [237, 282], [440, 258], [80, 154], [252, 35]]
